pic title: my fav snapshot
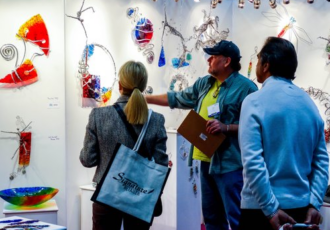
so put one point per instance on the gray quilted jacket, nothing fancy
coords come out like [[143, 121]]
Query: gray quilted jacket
[[105, 129]]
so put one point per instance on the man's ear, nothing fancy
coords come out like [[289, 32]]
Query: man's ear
[[228, 61], [265, 67]]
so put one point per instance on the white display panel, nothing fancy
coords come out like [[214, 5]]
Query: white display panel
[[48, 160]]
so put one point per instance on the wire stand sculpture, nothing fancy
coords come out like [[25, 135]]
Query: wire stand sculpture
[[208, 33], [24, 148], [79, 13]]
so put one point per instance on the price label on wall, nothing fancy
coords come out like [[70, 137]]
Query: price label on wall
[[53, 103]]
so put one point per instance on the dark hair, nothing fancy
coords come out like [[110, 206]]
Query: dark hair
[[235, 65], [281, 56]]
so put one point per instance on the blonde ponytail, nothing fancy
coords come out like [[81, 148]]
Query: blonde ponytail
[[133, 77]]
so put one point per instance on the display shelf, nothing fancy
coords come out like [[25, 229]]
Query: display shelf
[[45, 212]]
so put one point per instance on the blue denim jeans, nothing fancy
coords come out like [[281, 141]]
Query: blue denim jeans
[[221, 197]]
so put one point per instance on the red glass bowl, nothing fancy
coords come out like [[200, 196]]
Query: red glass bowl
[[28, 196]]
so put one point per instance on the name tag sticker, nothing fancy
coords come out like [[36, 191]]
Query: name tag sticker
[[213, 110], [203, 136]]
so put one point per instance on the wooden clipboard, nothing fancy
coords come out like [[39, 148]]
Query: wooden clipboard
[[193, 128]]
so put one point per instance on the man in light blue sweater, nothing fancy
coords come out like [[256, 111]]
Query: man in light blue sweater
[[284, 155]]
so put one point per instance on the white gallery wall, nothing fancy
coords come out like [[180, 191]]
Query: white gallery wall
[[110, 27], [32, 102], [55, 161]]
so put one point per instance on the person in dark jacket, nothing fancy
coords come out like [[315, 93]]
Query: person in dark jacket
[[105, 129]]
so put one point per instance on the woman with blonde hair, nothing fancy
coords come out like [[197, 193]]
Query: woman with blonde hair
[[105, 129]]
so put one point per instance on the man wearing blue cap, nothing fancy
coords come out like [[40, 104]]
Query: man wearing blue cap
[[217, 97]]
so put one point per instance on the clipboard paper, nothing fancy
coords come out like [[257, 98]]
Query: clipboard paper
[[193, 128]]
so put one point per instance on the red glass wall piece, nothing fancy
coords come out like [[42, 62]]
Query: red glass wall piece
[[25, 74], [88, 86], [24, 149], [34, 30]]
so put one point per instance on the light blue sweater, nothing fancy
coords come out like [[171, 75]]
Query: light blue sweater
[[284, 155]]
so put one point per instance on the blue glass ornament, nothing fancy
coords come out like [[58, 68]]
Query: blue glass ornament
[[89, 49], [97, 87], [130, 12], [162, 61], [176, 63]]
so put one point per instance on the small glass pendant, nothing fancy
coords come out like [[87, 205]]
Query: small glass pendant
[[162, 61], [188, 57]]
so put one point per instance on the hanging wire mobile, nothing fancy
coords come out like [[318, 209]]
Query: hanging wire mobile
[[33, 31], [208, 34], [94, 92], [327, 48], [252, 58], [142, 33], [24, 148], [186, 54], [324, 99], [290, 29]]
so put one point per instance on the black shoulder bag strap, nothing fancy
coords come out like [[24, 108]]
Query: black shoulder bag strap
[[128, 125], [124, 119]]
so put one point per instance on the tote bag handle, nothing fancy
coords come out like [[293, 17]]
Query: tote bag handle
[[143, 132], [130, 127]]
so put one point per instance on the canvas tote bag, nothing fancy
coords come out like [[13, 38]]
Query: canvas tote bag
[[132, 183]]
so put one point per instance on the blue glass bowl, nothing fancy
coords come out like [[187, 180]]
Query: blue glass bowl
[[28, 196]]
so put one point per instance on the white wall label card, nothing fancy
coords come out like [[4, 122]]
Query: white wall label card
[[53, 138], [53, 103]]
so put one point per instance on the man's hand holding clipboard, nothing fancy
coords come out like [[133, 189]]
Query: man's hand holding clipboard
[[206, 138]]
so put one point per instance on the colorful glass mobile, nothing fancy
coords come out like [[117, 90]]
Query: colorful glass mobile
[[176, 62], [142, 33], [94, 92], [290, 27]]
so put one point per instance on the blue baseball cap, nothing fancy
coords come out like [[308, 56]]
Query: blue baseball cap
[[225, 48]]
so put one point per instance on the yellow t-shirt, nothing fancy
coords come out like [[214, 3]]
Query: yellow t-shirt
[[207, 101]]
